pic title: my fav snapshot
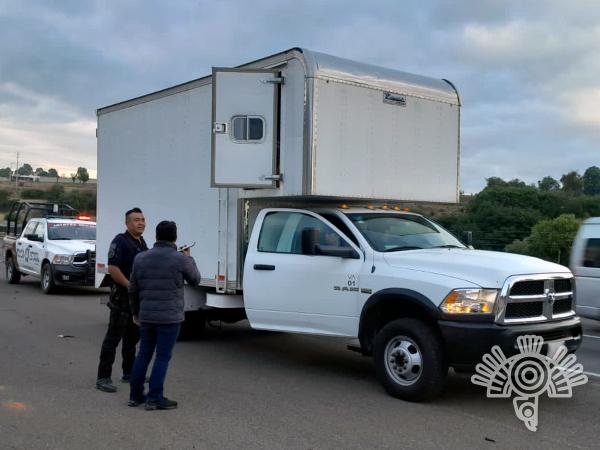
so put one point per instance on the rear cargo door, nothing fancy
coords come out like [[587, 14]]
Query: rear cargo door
[[245, 123]]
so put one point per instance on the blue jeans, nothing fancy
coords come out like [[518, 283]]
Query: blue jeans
[[159, 337]]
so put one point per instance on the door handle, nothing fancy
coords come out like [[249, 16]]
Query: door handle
[[19, 243], [264, 267], [29, 246]]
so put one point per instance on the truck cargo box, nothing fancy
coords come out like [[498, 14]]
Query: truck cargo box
[[295, 125]]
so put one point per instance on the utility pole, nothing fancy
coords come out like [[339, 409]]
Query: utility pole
[[17, 172]]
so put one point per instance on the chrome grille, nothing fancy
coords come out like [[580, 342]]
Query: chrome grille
[[520, 310], [80, 259], [536, 298]]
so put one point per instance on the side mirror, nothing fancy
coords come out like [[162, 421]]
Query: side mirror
[[469, 238], [31, 237], [340, 252]]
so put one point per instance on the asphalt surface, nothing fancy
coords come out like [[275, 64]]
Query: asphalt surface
[[239, 388]]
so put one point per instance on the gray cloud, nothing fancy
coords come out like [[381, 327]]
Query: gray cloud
[[526, 70]]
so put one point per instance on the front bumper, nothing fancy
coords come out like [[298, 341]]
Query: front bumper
[[467, 342], [73, 275]]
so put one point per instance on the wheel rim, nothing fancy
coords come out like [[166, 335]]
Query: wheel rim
[[403, 360], [46, 279]]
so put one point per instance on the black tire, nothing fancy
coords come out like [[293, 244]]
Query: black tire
[[13, 276], [193, 326], [410, 360], [47, 279]]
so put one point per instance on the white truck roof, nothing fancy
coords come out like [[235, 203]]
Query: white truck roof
[[323, 66]]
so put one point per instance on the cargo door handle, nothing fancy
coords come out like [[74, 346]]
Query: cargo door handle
[[263, 267]]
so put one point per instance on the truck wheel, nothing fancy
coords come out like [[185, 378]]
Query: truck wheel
[[409, 360], [13, 276], [47, 281], [193, 326]]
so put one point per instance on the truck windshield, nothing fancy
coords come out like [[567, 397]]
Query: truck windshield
[[71, 231], [397, 232]]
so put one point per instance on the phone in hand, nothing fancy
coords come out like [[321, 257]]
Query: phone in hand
[[185, 247]]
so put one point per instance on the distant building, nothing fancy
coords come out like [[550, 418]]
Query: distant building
[[31, 178]]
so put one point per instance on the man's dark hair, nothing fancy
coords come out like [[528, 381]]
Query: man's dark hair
[[131, 211], [166, 231]]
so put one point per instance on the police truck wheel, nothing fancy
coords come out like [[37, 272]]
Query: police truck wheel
[[13, 276], [47, 281], [410, 360]]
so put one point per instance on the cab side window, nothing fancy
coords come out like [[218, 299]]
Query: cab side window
[[29, 229], [591, 256], [296, 233], [39, 232]]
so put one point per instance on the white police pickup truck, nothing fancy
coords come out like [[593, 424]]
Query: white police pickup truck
[[57, 250]]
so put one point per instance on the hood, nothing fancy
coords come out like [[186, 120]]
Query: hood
[[71, 247], [485, 268]]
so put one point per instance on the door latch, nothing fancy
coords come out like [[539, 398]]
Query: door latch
[[219, 127], [276, 80], [278, 177]]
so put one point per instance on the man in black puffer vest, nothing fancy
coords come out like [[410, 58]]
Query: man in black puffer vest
[[156, 297]]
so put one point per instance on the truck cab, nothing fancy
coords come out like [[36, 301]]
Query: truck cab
[[415, 297], [59, 250], [585, 264]]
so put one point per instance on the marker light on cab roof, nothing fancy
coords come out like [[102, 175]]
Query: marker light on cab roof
[[84, 217]]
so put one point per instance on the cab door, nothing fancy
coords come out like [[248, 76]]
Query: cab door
[[245, 128], [38, 248], [289, 285], [25, 246]]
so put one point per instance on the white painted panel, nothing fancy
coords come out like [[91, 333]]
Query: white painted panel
[[366, 148], [291, 151], [157, 156], [243, 93]]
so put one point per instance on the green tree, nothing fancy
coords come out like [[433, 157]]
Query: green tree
[[572, 183], [6, 172], [40, 172], [56, 193], [25, 169], [53, 173], [515, 182], [552, 239], [495, 182], [82, 174], [591, 181], [519, 246], [548, 184], [73, 177], [4, 199]]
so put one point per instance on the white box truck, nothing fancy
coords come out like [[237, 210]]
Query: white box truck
[[290, 173]]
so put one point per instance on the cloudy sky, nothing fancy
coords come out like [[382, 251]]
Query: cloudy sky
[[527, 71]]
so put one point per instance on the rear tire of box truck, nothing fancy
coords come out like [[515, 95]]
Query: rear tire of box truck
[[410, 360], [193, 326], [13, 276]]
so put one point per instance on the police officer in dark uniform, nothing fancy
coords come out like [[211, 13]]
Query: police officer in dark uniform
[[123, 249]]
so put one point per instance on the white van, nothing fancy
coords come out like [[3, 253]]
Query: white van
[[585, 264]]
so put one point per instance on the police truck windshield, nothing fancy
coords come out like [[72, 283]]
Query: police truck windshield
[[64, 231], [397, 232]]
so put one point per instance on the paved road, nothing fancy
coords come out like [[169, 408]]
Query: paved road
[[239, 388]]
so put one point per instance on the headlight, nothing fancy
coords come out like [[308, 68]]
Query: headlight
[[470, 301], [64, 260]]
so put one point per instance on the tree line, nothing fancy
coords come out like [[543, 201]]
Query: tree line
[[81, 200], [26, 169], [538, 220]]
